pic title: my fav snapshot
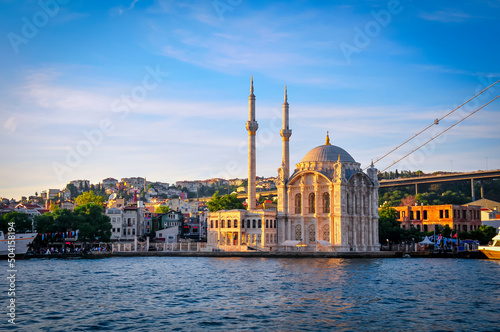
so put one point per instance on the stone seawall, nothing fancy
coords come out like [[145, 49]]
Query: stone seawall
[[277, 254]]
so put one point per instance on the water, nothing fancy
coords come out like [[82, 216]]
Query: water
[[247, 294]]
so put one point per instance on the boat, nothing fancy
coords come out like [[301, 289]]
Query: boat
[[15, 247], [492, 250]]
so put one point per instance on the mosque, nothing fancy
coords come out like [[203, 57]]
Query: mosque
[[327, 203]]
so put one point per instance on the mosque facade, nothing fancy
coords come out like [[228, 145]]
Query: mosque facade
[[326, 203]]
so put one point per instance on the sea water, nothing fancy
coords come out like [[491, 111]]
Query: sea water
[[253, 294]]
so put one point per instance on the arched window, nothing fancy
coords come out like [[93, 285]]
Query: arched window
[[312, 203], [326, 203], [349, 203], [235, 223], [211, 223], [274, 223], [298, 204], [229, 224], [260, 223], [254, 223], [248, 223], [222, 223], [217, 224], [267, 223]]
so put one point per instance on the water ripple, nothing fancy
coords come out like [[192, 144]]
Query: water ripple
[[186, 294]]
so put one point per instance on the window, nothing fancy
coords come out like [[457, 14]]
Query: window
[[260, 223], [326, 203], [425, 228], [418, 215], [235, 224], [217, 224], [222, 222], [465, 228], [298, 204], [312, 203], [267, 223], [411, 215], [211, 224], [254, 223], [425, 214], [229, 224], [248, 223], [274, 223], [441, 214], [118, 230]]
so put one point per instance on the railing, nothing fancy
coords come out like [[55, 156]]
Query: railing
[[166, 246]]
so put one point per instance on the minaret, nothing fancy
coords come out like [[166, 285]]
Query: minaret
[[252, 127], [285, 134], [284, 170]]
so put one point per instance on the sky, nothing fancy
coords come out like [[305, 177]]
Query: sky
[[159, 89]]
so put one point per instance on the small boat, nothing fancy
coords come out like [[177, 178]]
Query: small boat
[[17, 246], [493, 250]]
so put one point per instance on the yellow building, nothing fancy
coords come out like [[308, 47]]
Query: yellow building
[[460, 218]]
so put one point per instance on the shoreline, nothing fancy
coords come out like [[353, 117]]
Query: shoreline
[[277, 254]]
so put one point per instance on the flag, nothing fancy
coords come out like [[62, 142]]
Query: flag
[[455, 236]]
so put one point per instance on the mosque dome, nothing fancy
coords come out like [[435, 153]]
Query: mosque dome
[[327, 152]]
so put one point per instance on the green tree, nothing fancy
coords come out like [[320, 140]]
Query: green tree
[[45, 223], [73, 190], [162, 209], [22, 222], [89, 197], [92, 223], [388, 225], [226, 202]]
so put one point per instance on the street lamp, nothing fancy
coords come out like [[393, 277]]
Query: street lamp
[[388, 245]]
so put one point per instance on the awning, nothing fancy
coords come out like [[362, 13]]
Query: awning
[[325, 243]]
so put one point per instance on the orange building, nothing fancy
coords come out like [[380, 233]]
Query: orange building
[[460, 218]]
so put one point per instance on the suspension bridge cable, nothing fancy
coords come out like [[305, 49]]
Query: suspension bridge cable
[[433, 138], [432, 124]]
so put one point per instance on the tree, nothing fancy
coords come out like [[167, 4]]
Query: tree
[[162, 209], [92, 223], [72, 190], [89, 198], [44, 223], [226, 202], [22, 222], [388, 225], [409, 200], [53, 207]]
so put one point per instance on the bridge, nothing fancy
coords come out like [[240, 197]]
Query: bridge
[[415, 181], [440, 178]]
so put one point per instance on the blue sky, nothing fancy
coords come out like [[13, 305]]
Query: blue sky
[[97, 89]]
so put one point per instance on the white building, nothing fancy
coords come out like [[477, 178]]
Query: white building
[[327, 200]]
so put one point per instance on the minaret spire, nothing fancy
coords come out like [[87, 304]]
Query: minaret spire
[[251, 86], [285, 163], [252, 127]]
